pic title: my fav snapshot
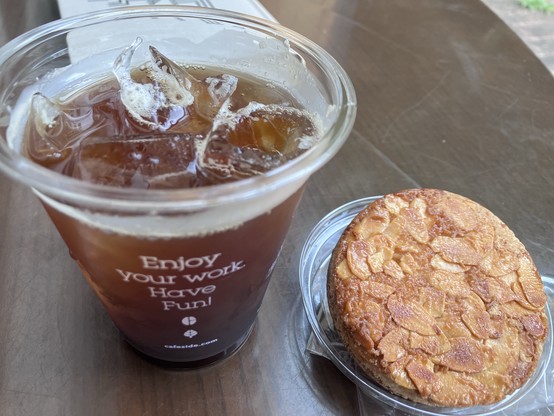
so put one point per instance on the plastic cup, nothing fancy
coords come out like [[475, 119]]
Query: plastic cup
[[181, 272]]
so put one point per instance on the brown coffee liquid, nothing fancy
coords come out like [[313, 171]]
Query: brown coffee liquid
[[155, 298], [92, 137], [185, 300]]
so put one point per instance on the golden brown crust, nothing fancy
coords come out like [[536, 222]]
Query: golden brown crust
[[437, 300]]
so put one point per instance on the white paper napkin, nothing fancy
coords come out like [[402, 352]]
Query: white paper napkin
[[252, 7]]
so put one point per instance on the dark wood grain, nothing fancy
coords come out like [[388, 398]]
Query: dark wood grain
[[448, 96]]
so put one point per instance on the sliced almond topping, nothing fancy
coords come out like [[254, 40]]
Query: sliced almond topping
[[474, 302], [497, 326], [419, 205], [412, 316], [482, 288], [482, 239], [382, 251], [392, 269], [379, 212], [460, 213], [391, 345], [527, 350], [369, 227], [395, 228], [500, 291], [492, 289], [439, 263], [408, 264], [433, 301], [495, 310], [375, 262], [348, 307], [499, 263], [382, 243], [356, 256], [432, 344], [379, 290], [465, 355], [478, 322], [506, 350], [506, 240], [514, 310], [531, 282], [366, 337], [422, 375], [361, 311], [453, 284], [369, 319], [509, 279], [453, 327], [395, 204], [534, 325], [415, 225], [456, 250], [520, 297], [398, 373], [343, 271], [491, 378], [408, 247], [459, 390], [387, 253], [369, 308]]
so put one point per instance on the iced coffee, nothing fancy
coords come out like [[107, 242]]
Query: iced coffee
[[182, 179]]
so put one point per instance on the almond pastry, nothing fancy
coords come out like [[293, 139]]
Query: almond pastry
[[437, 300]]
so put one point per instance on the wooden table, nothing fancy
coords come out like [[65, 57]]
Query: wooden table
[[448, 97]]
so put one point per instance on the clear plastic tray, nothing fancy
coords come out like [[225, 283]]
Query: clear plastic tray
[[536, 394]]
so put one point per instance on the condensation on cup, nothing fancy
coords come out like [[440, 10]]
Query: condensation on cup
[[170, 147]]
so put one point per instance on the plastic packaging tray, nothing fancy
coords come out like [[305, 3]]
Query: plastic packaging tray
[[535, 397]]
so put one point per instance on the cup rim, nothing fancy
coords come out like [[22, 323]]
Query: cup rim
[[61, 187]]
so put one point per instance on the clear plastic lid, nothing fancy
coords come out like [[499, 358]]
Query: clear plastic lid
[[536, 394]]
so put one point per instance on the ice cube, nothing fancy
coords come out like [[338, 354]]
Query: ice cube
[[160, 101], [53, 129], [184, 89], [168, 93], [214, 94], [174, 81], [221, 161], [142, 101], [274, 128], [147, 162], [253, 140]]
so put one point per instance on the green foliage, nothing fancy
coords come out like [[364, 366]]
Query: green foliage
[[540, 5]]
